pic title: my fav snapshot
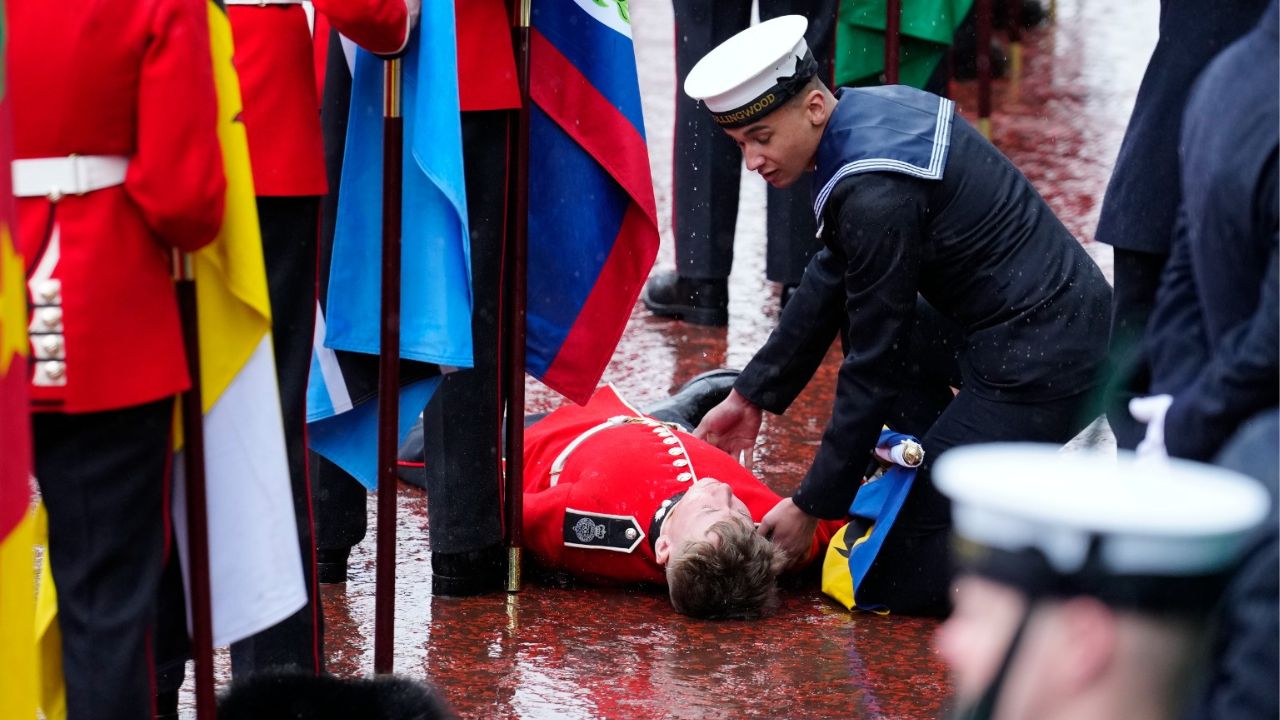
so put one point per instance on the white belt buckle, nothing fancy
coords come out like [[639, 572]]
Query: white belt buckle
[[57, 177], [79, 180]]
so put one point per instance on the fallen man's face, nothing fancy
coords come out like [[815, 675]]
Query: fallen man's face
[[706, 503]]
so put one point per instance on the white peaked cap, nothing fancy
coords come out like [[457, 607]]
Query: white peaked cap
[[1165, 518], [736, 78]]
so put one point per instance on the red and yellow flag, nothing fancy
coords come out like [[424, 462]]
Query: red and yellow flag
[[18, 681]]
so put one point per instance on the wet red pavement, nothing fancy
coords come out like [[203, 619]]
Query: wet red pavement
[[590, 653]]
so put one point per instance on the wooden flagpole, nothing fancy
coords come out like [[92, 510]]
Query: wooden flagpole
[[892, 40], [515, 261], [1013, 18], [983, 18], [192, 410], [388, 369]]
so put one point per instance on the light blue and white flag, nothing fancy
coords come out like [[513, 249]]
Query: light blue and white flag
[[435, 317]]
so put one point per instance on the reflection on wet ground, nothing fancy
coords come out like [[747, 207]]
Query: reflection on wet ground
[[589, 653]]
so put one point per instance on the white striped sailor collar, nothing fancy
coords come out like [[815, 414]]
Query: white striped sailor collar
[[928, 166]]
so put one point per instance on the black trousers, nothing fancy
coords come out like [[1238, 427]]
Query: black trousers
[[913, 572], [707, 162], [290, 227], [103, 478], [1137, 277], [461, 422]]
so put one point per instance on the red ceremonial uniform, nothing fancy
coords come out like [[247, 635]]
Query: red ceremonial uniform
[[91, 88], [486, 62], [616, 476], [274, 59]]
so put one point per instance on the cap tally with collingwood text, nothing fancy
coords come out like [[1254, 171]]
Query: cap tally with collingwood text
[[1147, 535], [754, 72]]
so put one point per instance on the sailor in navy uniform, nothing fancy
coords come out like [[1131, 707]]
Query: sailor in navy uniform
[[1074, 599], [909, 199]]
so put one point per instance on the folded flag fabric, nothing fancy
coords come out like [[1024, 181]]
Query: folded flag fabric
[[927, 28], [854, 547], [48, 646], [435, 307], [593, 232], [255, 564]]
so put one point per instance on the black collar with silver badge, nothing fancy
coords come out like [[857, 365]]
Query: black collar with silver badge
[[662, 513]]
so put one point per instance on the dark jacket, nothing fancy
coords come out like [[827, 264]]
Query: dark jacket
[[1142, 197], [1213, 336], [978, 243], [1240, 680]]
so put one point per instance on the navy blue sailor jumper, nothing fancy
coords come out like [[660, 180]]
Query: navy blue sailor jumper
[[911, 200]]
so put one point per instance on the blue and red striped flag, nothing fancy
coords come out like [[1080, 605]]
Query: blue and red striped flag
[[593, 231]]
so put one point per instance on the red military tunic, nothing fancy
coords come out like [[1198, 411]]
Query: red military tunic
[[486, 62], [616, 478], [85, 87], [274, 59]]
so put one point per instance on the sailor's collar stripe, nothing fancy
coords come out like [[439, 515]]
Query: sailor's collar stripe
[[933, 171]]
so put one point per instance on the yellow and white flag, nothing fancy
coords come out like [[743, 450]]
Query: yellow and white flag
[[255, 567]]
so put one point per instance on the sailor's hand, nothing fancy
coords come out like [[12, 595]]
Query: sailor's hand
[[791, 529], [1151, 410], [732, 426]]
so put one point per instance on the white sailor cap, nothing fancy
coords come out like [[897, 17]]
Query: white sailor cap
[[754, 72], [1148, 535]]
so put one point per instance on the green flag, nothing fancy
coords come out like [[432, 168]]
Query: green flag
[[927, 29]]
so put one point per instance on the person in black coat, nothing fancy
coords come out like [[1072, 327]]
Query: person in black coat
[[1213, 334], [1240, 681], [1142, 198], [910, 200]]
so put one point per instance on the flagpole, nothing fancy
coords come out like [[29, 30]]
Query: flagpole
[[1014, 21], [192, 409], [984, 67], [388, 370], [514, 272], [892, 39]]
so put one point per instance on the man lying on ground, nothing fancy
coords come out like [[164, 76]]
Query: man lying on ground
[[616, 496]]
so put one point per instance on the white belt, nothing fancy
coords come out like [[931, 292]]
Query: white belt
[[261, 3], [73, 175]]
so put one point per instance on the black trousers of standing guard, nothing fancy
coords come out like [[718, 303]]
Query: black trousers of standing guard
[[707, 163]]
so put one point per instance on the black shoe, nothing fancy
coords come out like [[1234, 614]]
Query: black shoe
[[701, 302], [696, 397], [331, 565], [468, 573]]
